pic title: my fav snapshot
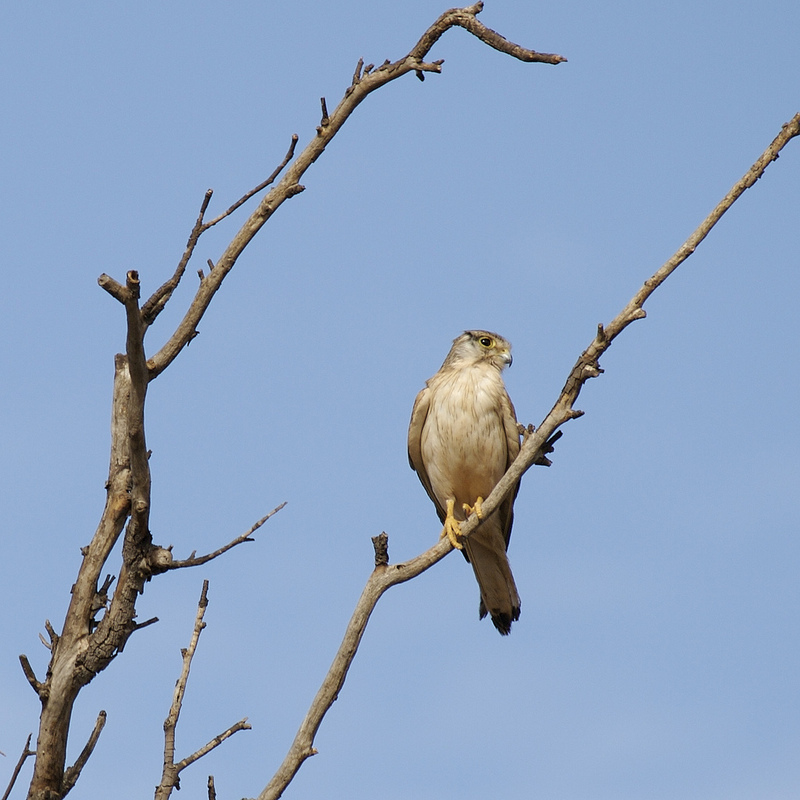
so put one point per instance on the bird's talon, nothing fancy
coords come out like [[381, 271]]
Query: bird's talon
[[452, 530], [477, 508]]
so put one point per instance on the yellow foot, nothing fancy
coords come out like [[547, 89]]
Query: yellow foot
[[477, 508], [452, 530]]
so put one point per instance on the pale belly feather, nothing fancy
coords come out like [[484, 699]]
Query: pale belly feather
[[463, 440]]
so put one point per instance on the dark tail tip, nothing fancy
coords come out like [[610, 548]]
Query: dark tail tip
[[500, 620]]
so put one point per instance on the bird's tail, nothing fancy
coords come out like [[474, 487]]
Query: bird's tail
[[499, 598]]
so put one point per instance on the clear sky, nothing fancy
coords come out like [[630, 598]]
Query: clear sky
[[658, 652]]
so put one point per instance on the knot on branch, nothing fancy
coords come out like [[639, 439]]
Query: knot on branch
[[591, 370], [159, 559]]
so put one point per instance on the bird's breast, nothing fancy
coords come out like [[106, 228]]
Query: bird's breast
[[463, 440]]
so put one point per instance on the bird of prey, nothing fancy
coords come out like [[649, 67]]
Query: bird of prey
[[462, 438]]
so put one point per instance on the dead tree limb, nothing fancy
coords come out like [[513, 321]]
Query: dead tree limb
[[536, 444], [382, 578], [72, 774], [26, 752], [363, 84], [588, 365], [170, 775], [195, 560]]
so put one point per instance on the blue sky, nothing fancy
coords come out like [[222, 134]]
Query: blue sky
[[658, 653]]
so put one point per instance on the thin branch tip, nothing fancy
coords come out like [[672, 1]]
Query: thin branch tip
[[26, 753], [195, 560], [71, 774]]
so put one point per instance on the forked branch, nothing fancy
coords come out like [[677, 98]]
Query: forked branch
[[467, 18], [158, 300], [26, 753], [170, 775], [536, 444], [363, 84]]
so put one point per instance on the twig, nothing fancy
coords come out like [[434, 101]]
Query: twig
[[241, 725], [29, 674], [137, 626], [263, 185], [72, 773], [26, 752], [194, 561], [467, 18], [170, 776], [156, 302], [534, 448], [212, 789], [357, 73]]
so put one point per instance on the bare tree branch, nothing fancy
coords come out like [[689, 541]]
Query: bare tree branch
[[241, 725], [30, 675], [170, 775], [156, 302], [536, 444], [26, 752], [287, 158], [72, 773], [588, 366], [363, 85], [194, 561], [382, 578], [51, 633], [115, 289], [159, 299], [467, 18]]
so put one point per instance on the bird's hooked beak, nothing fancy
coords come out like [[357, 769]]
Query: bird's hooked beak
[[506, 356]]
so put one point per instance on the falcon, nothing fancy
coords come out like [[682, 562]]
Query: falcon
[[462, 438]]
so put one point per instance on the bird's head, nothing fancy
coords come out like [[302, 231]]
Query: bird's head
[[474, 347]]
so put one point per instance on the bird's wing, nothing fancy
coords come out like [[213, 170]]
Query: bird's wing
[[487, 547], [509, 418], [418, 417]]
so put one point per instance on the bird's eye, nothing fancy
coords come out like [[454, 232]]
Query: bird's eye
[[485, 341]]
